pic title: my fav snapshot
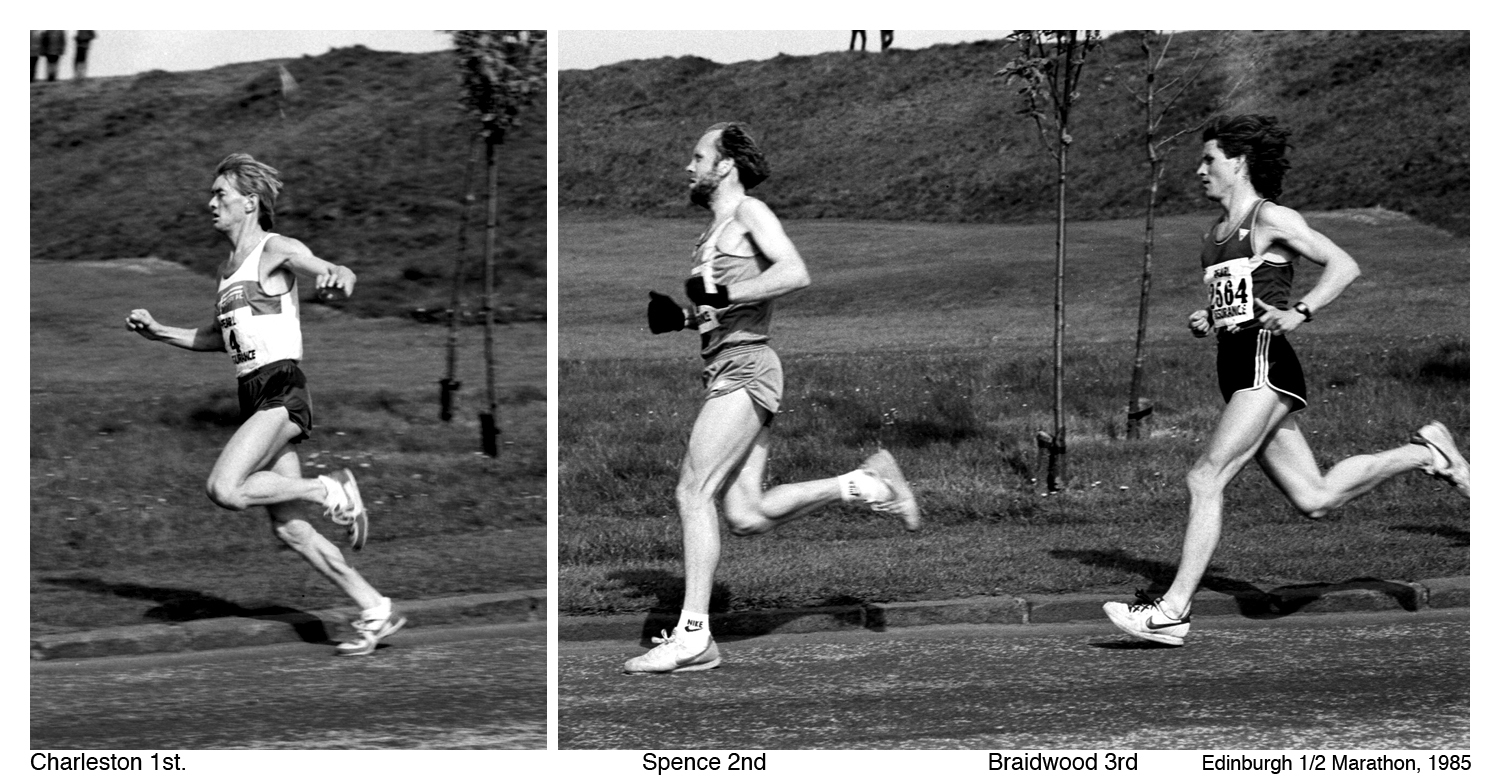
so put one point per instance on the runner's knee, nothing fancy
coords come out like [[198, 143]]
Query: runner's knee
[[225, 493], [744, 521]]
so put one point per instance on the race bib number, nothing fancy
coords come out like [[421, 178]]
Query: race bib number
[[707, 318], [1231, 292]]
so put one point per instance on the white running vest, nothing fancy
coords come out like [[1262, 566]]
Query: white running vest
[[258, 328]]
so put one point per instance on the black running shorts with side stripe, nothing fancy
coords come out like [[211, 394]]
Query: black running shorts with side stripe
[[278, 384], [1253, 358]]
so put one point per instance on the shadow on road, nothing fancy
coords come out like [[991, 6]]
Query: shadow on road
[[667, 589], [1251, 600], [1459, 536], [180, 605]]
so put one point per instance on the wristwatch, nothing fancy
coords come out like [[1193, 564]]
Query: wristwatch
[[1301, 308]]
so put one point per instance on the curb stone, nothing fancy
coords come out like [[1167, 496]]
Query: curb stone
[[1363, 595], [318, 627]]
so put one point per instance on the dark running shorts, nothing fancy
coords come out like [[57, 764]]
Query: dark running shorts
[[756, 368], [278, 384], [1254, 358]]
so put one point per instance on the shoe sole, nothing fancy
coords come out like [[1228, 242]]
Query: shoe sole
[[702, 666], [1438, 437], [359, 530], [1149, 636], [884, 466], [390, 628]]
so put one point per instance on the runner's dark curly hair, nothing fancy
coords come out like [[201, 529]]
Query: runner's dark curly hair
[[1260, 140], [736, 143]]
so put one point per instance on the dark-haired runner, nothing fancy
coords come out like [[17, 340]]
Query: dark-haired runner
[[257, 322], [742, 262], [1247, 262]]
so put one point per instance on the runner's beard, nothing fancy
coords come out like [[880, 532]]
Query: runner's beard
[[702, 191]]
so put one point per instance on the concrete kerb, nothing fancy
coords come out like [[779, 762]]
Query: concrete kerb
[[308, 627], [1367, 595]]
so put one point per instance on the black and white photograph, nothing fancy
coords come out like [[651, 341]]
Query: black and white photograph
[[329, 529], [1013, 390]]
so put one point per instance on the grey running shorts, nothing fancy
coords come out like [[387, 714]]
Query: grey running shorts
[[755, 367]]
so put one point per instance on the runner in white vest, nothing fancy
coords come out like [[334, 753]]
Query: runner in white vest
[[256, 322]]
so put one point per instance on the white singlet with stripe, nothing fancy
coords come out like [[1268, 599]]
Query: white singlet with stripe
[[258, 328]]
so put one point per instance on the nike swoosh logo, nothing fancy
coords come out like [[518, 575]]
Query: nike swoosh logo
[[692, 627], [1153, 625]]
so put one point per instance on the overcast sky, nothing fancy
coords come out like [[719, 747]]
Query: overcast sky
[[124, 52], [591, 48]]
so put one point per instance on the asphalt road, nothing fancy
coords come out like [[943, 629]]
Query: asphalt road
[[1338, 681], [480, 687]]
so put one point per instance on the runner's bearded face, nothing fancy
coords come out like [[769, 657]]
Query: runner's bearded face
[[704, 176]]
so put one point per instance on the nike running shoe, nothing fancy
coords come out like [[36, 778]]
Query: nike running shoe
[[1447, 463], [371, 631], [1145, 619], [351, 511], [671, 656], [882, 465]]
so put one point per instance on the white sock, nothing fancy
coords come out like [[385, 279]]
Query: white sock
[[862, 486], [335, 495], [380, 612], [692, 629]]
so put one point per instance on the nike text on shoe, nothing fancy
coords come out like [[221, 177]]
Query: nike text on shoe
[[903, 502], [671, 656], [1448, 464], [371, 631], [1145, 619], [351, 511]]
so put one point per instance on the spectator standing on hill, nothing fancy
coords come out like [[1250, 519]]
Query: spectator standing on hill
[[36, 51], [1247, 261], [54, 42], [81, 41], [887, 39], [857, 35], [742, 262], [257, 322]]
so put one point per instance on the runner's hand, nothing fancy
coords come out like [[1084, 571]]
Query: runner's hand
[[718, 299], [664, 315], [337, 283], [1278, 321], [142, 322], [1198, 323]]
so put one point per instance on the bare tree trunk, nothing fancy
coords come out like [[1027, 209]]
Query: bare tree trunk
[[489, 430], [449, 384], [1057, 463], [1138, 370]]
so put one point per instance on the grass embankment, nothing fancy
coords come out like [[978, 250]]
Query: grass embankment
[[1378, 119], [934, 340], [372, 148], [124, 432]]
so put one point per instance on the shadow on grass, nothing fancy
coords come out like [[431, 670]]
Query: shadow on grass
[[667, 589], [1459, 536], [178, 605], [1251, 601]]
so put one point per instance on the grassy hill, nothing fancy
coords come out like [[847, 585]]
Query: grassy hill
[[1378, 119], [372, 149]]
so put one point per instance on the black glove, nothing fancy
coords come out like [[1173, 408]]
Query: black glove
[[719, 298], [664, 314]]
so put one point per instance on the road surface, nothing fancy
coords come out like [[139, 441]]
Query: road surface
[[1342, 681], [437, 688]]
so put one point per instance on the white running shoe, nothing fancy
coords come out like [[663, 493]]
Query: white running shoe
[[371, 631], [1145, 619], [882, 466], [671, 656], [1448, 463], [351, 510]]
